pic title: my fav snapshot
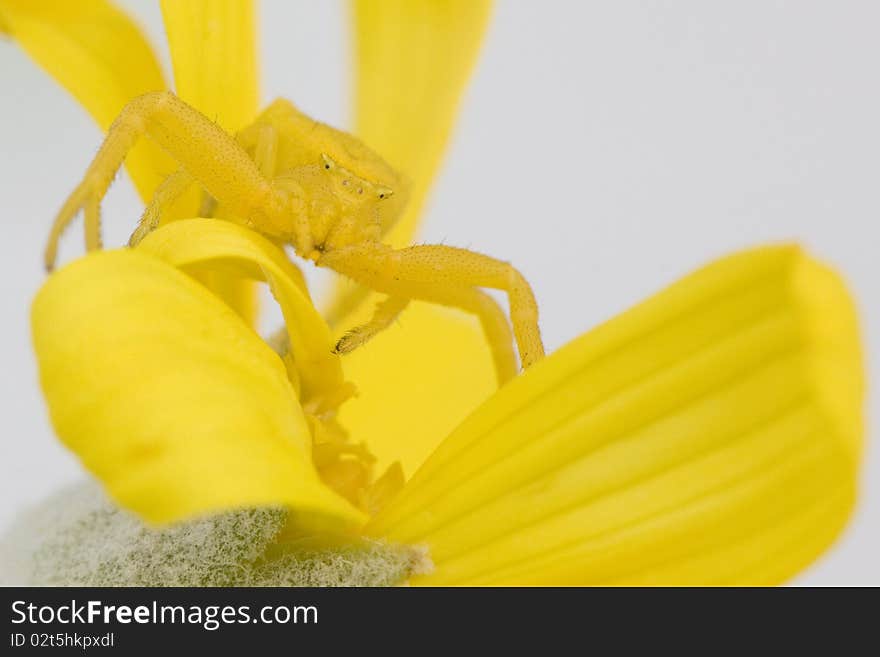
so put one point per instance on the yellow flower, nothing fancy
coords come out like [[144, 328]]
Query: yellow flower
[[711, 434]]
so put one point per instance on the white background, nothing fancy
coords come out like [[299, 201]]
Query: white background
[[606, 148]]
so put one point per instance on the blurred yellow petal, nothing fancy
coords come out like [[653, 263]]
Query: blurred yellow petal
[[422, 376], [214, 54], [413, 60], [710, 435], [413, 392], [241, 254], [168, 397], [101, 57]]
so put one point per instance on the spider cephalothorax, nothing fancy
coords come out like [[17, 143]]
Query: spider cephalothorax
[[322, 191]]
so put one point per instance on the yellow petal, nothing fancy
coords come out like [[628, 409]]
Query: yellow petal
[[100, 56], [168, 397], [214, 54], [242, 254], [416, 381], [710, 435], [414, 58]]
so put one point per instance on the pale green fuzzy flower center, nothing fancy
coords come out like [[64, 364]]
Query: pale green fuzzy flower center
[[77, 537]]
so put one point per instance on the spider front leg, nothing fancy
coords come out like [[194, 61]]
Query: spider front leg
[[261, 142], [496, 328], [386, 312], [442, 274], [208, 154], [262, 139]]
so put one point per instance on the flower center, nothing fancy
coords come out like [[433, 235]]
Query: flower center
[[344, 466], [347, 467]]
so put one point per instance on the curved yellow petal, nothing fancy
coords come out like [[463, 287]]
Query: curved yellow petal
[[214, 54], [413, 60], [101, 57], [244, 255], [168, 397], [710, 435]]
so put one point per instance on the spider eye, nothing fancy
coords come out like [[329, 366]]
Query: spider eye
[[384, 192], [328, 163]]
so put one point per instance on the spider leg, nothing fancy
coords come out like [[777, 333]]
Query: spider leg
[[435, 272], [203, 149], [263, 148], [261, 142], [92, 223], [496, 328], [171, 189], [385, 314], [175, 185], [492, 319], [263, 137], [207, 206]]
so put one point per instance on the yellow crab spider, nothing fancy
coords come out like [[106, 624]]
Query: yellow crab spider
[[324, 192]]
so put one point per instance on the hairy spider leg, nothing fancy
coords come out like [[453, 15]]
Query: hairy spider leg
[[227, 173], [413, 271], [171, 189], [177, 184], [261, 141], [384, 315], [494, 323], [496, 328]]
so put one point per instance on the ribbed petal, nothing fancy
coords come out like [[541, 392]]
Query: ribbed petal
[[214, 54], [168, 397], [101, 57], [710, 435]]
